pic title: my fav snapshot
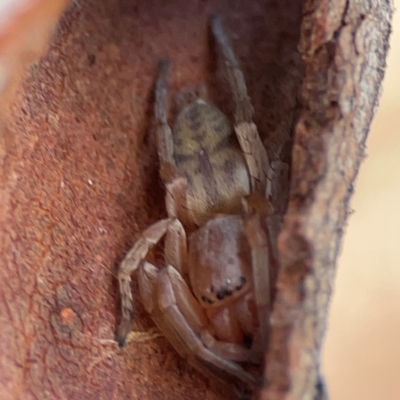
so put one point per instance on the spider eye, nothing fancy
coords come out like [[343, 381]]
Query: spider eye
[[242, 283], [223, 292], [207, 300]]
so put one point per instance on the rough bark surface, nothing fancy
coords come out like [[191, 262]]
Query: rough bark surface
[[80, 179], [344, 46]]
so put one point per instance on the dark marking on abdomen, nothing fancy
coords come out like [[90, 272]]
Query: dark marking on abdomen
[[207, 172]]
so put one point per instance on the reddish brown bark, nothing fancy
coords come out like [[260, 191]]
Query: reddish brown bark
[[344, 45], [80, 180]]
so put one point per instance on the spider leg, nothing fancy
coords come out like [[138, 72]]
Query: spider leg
[[185, 324], [175, 247], [246, 131], [177, 313], [261, 280], [176, 239], [129, 264], [175, 182], [262, 228]]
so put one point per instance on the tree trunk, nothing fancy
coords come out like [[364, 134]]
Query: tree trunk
[[344, 45], [80, 181]]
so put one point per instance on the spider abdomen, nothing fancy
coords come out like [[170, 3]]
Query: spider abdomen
[[208, 155]]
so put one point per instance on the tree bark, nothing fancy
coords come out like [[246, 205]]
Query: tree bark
[[79, 178], [344, 45]]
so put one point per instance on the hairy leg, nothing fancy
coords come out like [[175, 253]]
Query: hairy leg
[[181, 312], [246, 131], [151, 236], [259, 224]]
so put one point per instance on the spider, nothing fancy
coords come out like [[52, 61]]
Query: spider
[[211, 300]]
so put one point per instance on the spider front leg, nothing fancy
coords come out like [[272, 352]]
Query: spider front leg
[[246, 131], [181, 318], [175, 250]]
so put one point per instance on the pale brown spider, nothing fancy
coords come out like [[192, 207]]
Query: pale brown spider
[[212, 299]]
